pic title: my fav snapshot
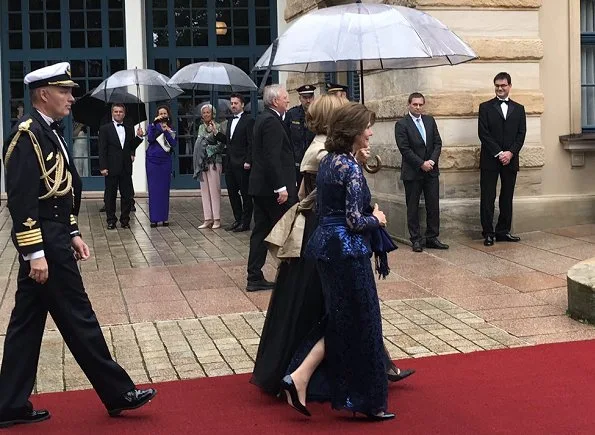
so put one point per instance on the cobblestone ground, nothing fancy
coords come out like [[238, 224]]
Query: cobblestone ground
[[172, 301]]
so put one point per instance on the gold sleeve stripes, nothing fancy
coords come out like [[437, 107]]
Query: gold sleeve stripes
[[29, 237], [72, 220]]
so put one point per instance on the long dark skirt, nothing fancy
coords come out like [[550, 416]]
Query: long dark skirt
[[355, 356], [159, 165], [295, 308]]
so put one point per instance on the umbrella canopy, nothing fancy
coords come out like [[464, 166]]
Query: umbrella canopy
[[210, 76], [364, 37], [93, 112], [146, 84]]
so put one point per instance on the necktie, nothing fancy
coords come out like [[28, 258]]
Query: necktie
[[420, 128], [58, 126]]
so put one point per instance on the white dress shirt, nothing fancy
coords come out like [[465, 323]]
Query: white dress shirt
[[234, 123], [504, 107], [121, 132], [417, 120]]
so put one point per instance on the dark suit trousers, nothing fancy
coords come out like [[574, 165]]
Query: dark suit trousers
[[266, 214], [430, 186], [112, 184], [64, 297], [488, 181], [236, 178]]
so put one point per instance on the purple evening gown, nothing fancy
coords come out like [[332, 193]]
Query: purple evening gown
[[159, 165]]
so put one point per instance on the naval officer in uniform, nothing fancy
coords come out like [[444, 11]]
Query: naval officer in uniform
[[295, 120], [43, 187]]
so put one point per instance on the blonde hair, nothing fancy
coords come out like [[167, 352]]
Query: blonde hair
[[320, 111]]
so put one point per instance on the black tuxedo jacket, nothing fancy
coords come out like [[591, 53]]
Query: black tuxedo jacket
[[112, 156], [239, 147], [272, 157], [413, 148], [498, 134]]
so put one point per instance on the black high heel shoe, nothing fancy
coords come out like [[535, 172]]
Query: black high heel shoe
[[382, 417], [153, 224], [288, 386], [399, 375]]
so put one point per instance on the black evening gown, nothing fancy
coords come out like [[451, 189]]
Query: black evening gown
[[295, 308], [355, 357]]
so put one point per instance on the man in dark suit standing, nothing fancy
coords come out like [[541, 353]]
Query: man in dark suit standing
[[502, 128], [295, 120], [238, 138], [43, 190], [272, 179], [117, 146], [420, 145]]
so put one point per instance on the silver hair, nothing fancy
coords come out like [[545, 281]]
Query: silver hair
[[270, 93], [208, 106]]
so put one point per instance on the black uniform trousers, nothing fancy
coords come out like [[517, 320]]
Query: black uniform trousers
[[488, 181], [123, 182], [430, 186], [64, 297], [236, 179], [266, 214]]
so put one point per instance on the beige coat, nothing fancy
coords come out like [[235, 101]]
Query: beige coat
[[286, 238]]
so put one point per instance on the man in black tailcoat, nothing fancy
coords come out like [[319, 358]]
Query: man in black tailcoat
[[117, 147], [272, 179], [238, 138], [43, 188], [502, 128]]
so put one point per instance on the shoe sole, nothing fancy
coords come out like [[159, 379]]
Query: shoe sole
[[116, 412], [256, 289], [10, 423]]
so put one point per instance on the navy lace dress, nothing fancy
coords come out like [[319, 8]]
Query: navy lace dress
[[354, 350]]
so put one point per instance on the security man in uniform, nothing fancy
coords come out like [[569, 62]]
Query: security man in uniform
[[295, 120], [336, 89], [43, 187]]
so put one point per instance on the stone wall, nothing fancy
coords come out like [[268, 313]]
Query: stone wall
[[507, 36]]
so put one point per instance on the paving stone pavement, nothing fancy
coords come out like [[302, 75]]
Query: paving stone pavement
[[172, 302]]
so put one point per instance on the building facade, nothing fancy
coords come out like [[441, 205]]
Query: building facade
[[549, 49], [547, 46]]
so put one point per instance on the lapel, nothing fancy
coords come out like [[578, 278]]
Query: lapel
[[278, 118], [228, 129], [50, 134], [428, 130], [498, 106], [511, 107]]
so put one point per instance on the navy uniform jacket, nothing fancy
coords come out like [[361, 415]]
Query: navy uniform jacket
[[40, 183], [301, 137]]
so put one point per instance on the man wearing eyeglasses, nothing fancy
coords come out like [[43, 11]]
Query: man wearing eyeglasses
[[502, 128]]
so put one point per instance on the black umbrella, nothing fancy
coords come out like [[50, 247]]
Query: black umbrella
[[93, 112]]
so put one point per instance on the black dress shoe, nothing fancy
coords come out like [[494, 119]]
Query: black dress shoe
[[233, 226], [399, 375], [241, 228], [133, 208], [111, 226], [131, 400], [507, 238], [33, 416], [288, 386], [165, 223], [102, 209], [153, 224], [417, 247], [435, 244], [262, 284], [488, 241], [125, 226]]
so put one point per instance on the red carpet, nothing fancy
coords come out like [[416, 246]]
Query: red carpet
[[536, 390]]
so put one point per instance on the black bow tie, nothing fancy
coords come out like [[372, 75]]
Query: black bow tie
[[57, 126], [119, 125], [236, 117], [504, 101]]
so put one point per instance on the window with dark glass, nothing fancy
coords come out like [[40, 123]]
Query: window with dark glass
[[588, 63]]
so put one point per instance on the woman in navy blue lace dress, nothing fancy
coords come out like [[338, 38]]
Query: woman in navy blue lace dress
[[352, 344]]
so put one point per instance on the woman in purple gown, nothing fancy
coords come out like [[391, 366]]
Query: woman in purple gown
[[162, 141]]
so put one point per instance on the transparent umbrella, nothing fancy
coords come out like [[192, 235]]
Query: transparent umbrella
[[210, 76], [364, 37]]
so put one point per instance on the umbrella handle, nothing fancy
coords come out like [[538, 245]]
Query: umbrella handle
[[269, 67]]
